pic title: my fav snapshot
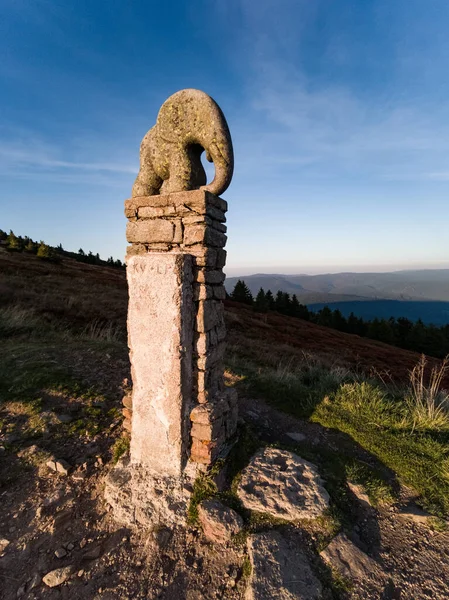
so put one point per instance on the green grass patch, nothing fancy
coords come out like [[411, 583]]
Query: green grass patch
[[120, 448], [380, 420], [376, 421], [378, 490], [203, 489]]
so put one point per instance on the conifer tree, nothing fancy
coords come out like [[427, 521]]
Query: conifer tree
[[13, 241], [241, 293], [45, 251], [261, 303], [270, 300]]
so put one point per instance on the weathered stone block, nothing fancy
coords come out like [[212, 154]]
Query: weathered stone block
[[213, 277], [127, 413], [160, 334], [207, 432], [152, 231], [214, 238], [219, 292], [194, 234], [135, 249], [150, 212], [127, 402], [221, 258], [207, 413], [213, 339], [214, 356], [198, 201], [204, 257], [203, 452], [219, 522], [216, 213], [202, 343], [179, 232], [210, 314], [202, 292], [218, 226]]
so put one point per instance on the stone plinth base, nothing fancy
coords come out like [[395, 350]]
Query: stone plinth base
[[140, 497]]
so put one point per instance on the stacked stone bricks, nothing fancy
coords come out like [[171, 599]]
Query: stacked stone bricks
[[192, 222]]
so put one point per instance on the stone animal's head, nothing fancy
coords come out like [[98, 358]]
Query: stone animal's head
[[188, 123]]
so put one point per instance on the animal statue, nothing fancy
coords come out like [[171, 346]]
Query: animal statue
[[188, 123]]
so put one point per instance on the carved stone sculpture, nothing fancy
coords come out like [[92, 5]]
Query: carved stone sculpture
[[181, 416], [188, 123]]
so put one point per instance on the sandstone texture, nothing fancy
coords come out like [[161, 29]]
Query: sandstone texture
[[160, 335], [282, 485], [139, 496], [280, 570], [347, 559], [219, 522], [193, 221], [57, 576], [188, 123]]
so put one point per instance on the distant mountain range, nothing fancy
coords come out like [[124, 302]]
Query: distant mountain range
[[422, 294]]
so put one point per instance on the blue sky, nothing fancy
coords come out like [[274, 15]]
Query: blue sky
[[338, 109]]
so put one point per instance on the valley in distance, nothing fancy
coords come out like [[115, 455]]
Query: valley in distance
[[415, 294]]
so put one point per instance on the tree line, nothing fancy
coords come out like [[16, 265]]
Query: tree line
[[401, 332], [17, 243]]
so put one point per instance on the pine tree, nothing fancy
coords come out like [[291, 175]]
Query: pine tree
[[13, 241], [261, 303], [241, 293], [45, 251], [324, 317], [31, 247], [270, 300]]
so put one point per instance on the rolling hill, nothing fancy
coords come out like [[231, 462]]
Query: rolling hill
[[416, 295]]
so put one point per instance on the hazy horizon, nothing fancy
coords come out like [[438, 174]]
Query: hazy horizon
[[325, 270]]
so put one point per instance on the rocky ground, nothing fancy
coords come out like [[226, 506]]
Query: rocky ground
[[58, 539]]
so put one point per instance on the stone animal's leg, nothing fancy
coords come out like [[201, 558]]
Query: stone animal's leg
[[186, 169], [147, 183]]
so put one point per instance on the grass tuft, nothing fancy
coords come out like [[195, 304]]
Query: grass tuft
[[428, 403], [120, 447]]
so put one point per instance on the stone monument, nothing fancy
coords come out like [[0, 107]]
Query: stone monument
[[180, 415]]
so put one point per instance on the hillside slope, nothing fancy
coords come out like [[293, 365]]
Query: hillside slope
[[84, 297]]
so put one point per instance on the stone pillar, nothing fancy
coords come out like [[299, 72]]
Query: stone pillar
[[176, 330], [180, 415]]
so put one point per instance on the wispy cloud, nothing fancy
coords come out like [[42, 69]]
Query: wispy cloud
[[328, 126], [28, 156]]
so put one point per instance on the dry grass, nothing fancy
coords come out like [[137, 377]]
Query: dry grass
[[427, 401]]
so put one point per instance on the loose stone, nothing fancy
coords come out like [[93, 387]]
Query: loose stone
[[280, 571], [57, 576], [284, 485], [348, 560], [219, 522]]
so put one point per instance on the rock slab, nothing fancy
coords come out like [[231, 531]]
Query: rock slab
[[160, 335], [219, 522], [280, 570], [57, 576], [283, 485], [347, 559]]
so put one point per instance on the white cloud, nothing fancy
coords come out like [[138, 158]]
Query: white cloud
[[28, 156]]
